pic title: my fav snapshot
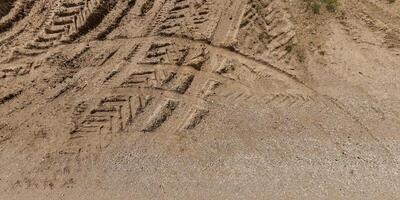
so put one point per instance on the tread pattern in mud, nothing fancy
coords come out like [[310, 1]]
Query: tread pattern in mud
[[121, 10], [161, 94], [187, 18], [151, 108], [265, 30], [176, 74], [174, 83], [68, 21]]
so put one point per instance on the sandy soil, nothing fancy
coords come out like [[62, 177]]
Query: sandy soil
[[199, 99]]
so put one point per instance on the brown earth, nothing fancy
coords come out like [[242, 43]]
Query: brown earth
[[199, 99]]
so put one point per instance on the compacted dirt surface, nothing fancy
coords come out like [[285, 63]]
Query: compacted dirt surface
[[199, 99]]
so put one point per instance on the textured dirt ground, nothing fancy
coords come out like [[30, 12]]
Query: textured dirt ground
[[199, 99]]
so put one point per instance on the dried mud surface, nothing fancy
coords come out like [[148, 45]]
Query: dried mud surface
[[199, 99]]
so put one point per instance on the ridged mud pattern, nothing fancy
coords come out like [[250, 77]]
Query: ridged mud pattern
[[14, 11], [98, 10], [67, 22], [174, 74], [5, 7], [192, 19], [15, 70], [142, 112], [146, 7], [194, 118], [173, 83], [122, 12], [265, 30], [160, 115]]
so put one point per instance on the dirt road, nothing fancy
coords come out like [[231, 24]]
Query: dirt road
[[199, 99]]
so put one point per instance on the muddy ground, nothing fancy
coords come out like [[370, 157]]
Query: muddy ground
[[199, 99]]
